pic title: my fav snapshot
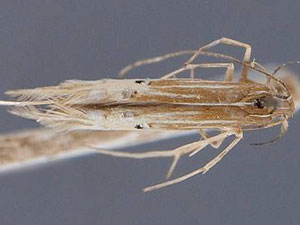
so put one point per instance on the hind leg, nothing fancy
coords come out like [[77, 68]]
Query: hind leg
[[204, 169], [191, 67], [205, 136], [226, 41], [191, 148]]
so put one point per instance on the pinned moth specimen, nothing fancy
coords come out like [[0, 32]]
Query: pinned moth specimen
[[171, 103]]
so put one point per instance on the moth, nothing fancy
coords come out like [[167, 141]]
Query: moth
[[172, 103]]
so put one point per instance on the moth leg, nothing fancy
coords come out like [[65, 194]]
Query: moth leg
[[185, 149], [205, 136], [194, 148], [157, 59], [138, 155], [175, 153], [182, 150], [226, 41], [191, 67], [203, 169], [219, 157]]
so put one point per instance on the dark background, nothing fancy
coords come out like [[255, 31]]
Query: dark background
[[46, 42]]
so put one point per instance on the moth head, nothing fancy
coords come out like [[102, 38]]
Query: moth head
[[274, 104]]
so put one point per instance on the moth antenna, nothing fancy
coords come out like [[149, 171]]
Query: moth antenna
[[284, 65], [283, 130]]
